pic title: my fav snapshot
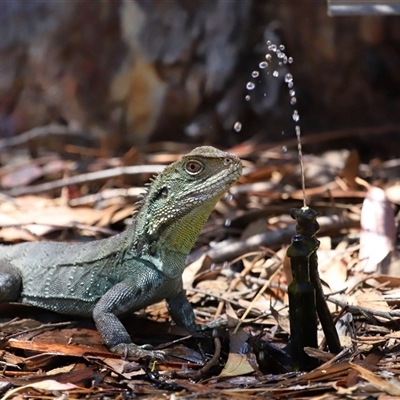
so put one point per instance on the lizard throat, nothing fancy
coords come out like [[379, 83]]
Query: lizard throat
[[181, 235]]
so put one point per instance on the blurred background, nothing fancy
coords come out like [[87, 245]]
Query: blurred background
[[132, 72]]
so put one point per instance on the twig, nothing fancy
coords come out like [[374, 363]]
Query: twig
[[364, 310], [8, 199], [238, 279], [222, 298], [274, 239], [259, 294], [197, 375], [35, 133], [173, 342], [84, 178], [254, 280], [38, 329], [105, 195], [69, 225]]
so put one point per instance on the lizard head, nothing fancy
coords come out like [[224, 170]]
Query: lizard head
[[181, 198]]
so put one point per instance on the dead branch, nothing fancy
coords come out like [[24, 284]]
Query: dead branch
[[389, 315], [35, 133], [277, 238], [84, 178]]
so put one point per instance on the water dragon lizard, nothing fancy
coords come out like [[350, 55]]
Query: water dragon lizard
[[108, 278]]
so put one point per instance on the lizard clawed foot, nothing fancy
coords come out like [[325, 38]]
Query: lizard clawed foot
[[133, 352], [217, 323]]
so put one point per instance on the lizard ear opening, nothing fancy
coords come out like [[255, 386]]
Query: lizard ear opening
[[163, 193], [193, 167]]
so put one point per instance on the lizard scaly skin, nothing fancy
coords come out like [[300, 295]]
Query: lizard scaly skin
[[108, 278]]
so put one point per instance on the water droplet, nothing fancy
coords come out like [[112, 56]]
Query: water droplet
[[281, 47], [275, 73], [227, 222], [298, 131], [288, 78], [268, 42], [280, 54], [263, 64], [272, 47], [283, 132], [280, 63], [255, 74], [293, 101], [284, 149], [295, 116], [292, 92], [268, 56], [290, 60], [250, 86], [290, 85], [247, 97], [229, 196], [238, 126]]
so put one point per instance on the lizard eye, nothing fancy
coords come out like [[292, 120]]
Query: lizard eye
[[193, 167]]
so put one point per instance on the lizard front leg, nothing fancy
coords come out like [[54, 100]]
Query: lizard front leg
[[120, 299], [181, 312]]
